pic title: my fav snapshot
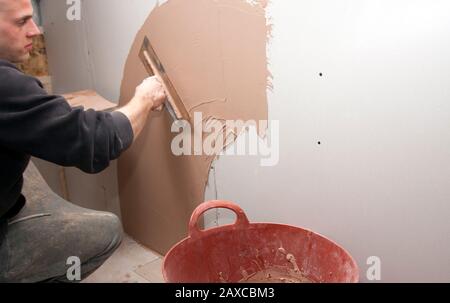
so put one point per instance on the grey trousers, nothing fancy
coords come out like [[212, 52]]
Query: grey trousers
[[39, 241]]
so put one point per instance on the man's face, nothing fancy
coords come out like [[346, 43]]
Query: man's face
[[17, 30]]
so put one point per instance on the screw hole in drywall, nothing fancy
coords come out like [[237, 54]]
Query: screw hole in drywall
[[319, 143], [321, 74]]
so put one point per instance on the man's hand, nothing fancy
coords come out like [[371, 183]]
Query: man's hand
[[149, 96], [152, 92]]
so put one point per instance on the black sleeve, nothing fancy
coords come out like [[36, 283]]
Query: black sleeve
[[46, 127]]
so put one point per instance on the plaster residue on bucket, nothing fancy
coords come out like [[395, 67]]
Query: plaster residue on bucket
[[289, 273], [214, 52]]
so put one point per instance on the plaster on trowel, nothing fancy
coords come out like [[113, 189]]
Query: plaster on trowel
[[154, 67]]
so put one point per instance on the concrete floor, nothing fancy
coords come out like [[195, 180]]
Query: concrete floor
[[130, 263]]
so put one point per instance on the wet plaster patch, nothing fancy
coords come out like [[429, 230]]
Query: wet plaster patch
[[214, 52]]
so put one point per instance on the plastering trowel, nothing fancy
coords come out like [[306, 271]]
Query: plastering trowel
[[154, 67]]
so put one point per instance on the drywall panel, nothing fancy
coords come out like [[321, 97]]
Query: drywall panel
[[67, 48], [110, 29], [379, 181]]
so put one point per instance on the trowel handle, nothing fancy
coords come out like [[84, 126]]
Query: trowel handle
[[161, 107], [241, 221]]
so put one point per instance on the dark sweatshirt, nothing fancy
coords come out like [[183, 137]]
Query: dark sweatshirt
[[33, 123]]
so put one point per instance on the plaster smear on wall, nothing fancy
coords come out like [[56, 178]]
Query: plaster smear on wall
[[214, 51]]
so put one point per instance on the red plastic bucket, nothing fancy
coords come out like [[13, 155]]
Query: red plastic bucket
[[255, 252]]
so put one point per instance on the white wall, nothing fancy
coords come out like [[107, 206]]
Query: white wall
[[379, 182]]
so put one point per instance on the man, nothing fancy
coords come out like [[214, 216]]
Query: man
[[39, 231]]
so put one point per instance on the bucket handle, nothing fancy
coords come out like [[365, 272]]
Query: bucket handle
[[241, 221]]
